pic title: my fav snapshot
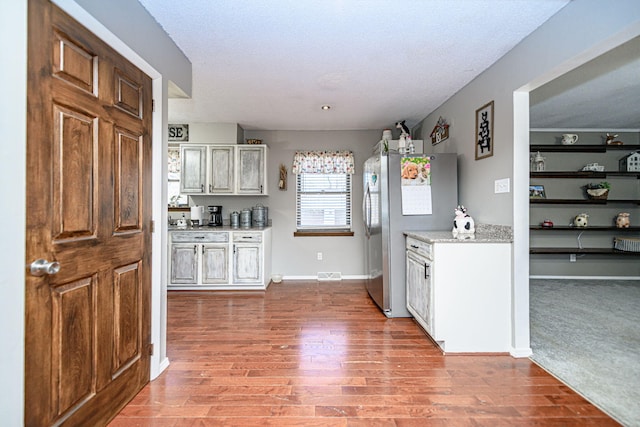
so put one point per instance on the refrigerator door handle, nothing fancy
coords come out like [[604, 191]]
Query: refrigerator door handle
[[366, 211]]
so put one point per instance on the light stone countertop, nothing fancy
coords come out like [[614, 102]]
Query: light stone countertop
[[485, 233], [217, 229]]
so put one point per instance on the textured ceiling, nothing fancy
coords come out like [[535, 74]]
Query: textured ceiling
[[271, 64], [601, 94]]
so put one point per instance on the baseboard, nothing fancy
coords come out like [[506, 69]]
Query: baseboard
[[520, 352], [164, 364], [588, 277], [315, 277]]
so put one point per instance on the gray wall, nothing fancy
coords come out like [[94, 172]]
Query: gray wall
[[297, 256], [546, 54]]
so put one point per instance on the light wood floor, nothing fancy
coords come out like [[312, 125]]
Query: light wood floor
[[322, 354]]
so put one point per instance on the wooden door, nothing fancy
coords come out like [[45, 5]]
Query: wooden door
[[87, 345]]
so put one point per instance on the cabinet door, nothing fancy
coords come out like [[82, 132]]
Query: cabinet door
[[251, 170], [184, 263], [215, 264], [247, 267], [193, 172], [419, 290], [222, 170]]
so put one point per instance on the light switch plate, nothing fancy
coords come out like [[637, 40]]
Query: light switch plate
[[502, 185]]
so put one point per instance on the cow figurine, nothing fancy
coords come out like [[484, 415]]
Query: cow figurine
[[462, 223], [581, 220]]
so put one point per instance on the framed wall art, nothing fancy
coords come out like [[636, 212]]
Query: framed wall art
[[484, 131]]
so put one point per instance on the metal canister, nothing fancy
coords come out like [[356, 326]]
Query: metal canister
[[259, 216], [234, 219], [245, 218]]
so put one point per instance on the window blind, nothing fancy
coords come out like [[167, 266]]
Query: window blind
[[323, 201]]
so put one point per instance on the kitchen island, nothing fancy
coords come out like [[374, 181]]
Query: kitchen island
[[219, 258], [459, 288]]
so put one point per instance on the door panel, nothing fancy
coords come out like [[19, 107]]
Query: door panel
[[73, 353], [87, 328], [74, 150], [128, 181]]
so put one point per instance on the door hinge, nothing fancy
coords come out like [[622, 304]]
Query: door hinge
[[153, 226], [150, 349], [153, 105]]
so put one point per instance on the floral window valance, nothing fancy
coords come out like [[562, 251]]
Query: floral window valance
[[323, 162]]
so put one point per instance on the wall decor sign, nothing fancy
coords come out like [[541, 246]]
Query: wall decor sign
[[484, 131], [440, 132], [178, 132]]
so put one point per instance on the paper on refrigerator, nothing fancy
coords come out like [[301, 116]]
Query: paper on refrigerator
[[415, 173]]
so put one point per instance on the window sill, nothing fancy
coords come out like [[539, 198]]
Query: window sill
[[322, 233]]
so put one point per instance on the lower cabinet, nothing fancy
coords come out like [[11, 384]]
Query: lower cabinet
[[219, 259], [460, 293], [247, 256], [419, 289]]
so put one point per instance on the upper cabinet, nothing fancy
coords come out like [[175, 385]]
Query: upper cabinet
[[193, 171], [252, 170], [223, 169]]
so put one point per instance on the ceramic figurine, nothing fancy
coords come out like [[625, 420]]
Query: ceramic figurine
[[581, 220], [610, 140], [462, 223], [622, 220]]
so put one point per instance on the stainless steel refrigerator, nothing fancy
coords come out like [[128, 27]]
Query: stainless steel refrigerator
[[385, 222]]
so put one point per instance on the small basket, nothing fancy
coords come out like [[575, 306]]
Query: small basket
[[598, 193], [254, 141], [627, 244]]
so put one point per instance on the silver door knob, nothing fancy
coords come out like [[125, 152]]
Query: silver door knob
[[42, 267]]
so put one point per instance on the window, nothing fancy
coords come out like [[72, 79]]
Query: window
[[174, 197], [323, 191], [323, 201]]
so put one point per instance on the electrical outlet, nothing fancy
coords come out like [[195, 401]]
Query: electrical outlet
[[501, 185], [319, 256], [572, 257]]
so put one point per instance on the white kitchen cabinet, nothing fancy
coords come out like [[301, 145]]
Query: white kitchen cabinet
[[184, 263], [419, 286], [223, 169], [215, 264], [247, 257], [222, 260], [252, 169], [193, 169], [460, 293], [199, 257]]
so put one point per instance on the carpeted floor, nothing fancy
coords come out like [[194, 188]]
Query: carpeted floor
[[587, 333]]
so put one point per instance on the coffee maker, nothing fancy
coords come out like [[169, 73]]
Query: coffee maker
[[215, 216]]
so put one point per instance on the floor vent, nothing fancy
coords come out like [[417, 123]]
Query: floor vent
[[329, 275]]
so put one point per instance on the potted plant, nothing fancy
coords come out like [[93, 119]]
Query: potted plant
[[599, 191]]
